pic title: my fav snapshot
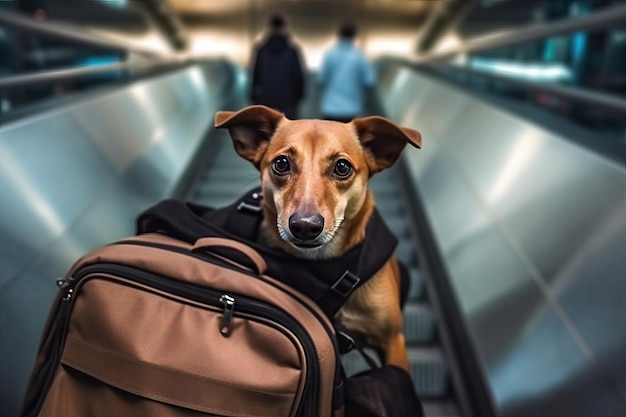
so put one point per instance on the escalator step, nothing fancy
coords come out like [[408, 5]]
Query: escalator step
[[215, 201], [405, 251], [417, 292], [388, 175], [385, 190], [230, 164], [440, 409], [419, 325], [389, 207], [240, 176], [429, 370], [219, 188], [398, 225]]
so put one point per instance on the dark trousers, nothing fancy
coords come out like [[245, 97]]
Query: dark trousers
[[342, 119], [289, 110]]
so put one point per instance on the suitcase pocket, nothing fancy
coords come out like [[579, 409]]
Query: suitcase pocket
[[147, 348], [104, 383]]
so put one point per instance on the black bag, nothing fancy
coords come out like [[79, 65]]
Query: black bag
[[386, 391]]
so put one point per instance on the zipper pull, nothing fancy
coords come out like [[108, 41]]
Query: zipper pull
[[68, 285], [229, 308]]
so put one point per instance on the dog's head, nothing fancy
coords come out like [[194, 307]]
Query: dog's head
[[314, 174]]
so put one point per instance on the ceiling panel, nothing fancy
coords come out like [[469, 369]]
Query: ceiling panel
[[231, 27]]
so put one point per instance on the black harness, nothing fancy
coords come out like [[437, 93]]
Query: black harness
[[328, 282]]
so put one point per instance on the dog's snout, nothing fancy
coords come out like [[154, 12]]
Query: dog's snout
[[306, 227]]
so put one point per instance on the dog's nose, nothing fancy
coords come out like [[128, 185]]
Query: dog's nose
[[306, 227]]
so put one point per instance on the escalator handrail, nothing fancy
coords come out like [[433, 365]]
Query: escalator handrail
[[584, 96], [143, 59], [51, 76], [589, 97], [603, 19], [75, 33]]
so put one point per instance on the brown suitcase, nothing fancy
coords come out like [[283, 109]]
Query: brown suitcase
[[154, 326]]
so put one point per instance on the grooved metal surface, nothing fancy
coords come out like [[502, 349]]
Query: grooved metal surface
[[532, 230], [74, 177]]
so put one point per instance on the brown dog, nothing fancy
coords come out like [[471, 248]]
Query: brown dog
[[316, 201]]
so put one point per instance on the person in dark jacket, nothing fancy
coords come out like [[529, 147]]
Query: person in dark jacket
[[277, 74]]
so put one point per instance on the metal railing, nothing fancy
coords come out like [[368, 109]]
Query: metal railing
[[574, 94], [144, 58], [601, 20]]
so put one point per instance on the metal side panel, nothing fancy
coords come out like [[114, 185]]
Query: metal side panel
[[74, 178], [532, 231]]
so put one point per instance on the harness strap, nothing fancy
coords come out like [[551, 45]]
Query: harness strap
[[246, 219]]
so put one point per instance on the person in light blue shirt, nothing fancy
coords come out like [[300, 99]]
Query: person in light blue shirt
[[345, 78]]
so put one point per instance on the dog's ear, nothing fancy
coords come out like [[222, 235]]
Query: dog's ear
[[384, 140], [250, 129]]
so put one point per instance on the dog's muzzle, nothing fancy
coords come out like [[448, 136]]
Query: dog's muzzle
[[306, 229]]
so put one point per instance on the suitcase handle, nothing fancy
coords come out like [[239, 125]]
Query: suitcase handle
[[253, 255]]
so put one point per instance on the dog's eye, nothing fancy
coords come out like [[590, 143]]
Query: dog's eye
[[343, 169], [281, 165]]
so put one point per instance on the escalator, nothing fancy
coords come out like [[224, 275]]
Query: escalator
[[226, 176]]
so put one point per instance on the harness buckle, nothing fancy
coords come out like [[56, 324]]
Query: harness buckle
[[346, 284]]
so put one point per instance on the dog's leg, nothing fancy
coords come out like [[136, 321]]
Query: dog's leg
[[396, 353], [394, 344], [374, 315]]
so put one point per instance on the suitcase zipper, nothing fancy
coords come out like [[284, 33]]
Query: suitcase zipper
[[246, 307], [62, 315], [227, 317]]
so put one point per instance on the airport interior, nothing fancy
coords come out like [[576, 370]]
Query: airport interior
[[511, 218]]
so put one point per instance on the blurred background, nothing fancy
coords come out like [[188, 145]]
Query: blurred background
[[511, 218]]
